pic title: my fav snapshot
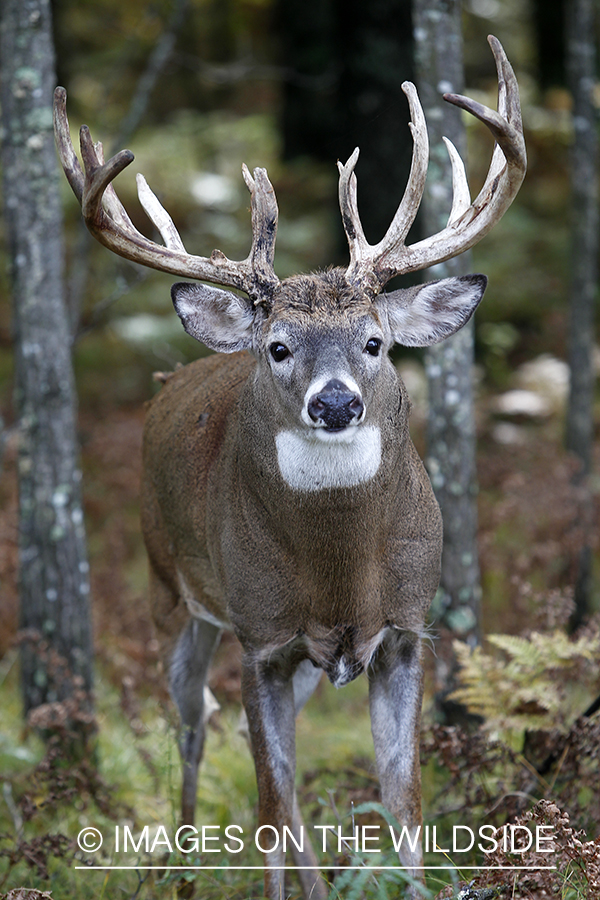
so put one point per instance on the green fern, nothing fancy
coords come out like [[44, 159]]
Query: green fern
[[532, 681]]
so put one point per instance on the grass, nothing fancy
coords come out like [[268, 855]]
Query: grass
[[138, 793]]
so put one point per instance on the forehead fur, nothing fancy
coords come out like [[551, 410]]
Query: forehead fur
[[321, 293]]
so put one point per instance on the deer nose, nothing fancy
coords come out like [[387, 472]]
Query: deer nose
[[335, 406]]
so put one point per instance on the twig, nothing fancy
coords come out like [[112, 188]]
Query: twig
[[122, 287], [159, 58]]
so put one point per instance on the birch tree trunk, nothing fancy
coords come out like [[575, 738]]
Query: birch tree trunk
[[581, 75], [56, 656], [451, 428]]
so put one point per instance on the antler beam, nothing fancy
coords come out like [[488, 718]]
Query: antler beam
[[108, 221], [372, 266]]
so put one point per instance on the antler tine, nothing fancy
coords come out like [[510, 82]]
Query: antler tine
[[108, 221], [468, 221], [507, 129], [461, 195], [362, 253], [64, 144], [497, 163], [111, 202], [508, 94], [98, 175], [506, 124], [265, 214], [347, 192], [409, 205], [158, 214]]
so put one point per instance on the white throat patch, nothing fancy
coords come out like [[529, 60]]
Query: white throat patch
[[307, 462]]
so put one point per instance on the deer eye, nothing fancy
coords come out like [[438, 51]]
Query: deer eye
[[279, 352], [373, 346]]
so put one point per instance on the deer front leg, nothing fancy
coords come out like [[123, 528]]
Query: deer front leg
[[306, 677], [268, 697], [395, 695]]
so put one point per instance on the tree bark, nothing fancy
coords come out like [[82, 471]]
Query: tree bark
[[581, 75], [56, 657], [451, 427]]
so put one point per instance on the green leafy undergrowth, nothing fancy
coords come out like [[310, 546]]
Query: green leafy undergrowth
[[538, 681]]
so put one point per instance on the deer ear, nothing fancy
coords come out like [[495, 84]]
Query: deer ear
[[221, 320], [426, 314]]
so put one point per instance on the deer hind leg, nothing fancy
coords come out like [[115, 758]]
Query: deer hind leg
[[188, 672]]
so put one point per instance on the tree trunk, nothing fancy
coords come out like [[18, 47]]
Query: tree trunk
[[581, 74], [56, 656], [451, 427]]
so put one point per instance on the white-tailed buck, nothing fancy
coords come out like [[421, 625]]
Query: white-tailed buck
[[282, 495]]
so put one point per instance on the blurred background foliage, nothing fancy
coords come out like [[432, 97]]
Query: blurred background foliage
[[195, 88]]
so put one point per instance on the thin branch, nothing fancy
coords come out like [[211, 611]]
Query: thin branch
[[157, 62], [122, 287]]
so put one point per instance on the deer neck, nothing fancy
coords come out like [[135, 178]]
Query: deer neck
[[297, 477]]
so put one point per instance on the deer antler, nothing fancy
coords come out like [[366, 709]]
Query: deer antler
[[108, 221], [373, 266]]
